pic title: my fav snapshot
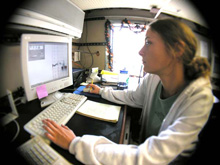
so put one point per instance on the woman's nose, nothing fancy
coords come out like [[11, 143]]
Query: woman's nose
[[141, 52]]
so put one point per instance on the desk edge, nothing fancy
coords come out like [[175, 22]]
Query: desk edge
[[123, 125]]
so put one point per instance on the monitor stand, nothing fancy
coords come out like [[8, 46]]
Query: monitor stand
[[51, 98]]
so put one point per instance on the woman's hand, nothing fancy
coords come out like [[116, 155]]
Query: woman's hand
[[95, 89], [60, 135]]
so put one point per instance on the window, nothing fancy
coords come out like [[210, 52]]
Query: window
[[126, 46]]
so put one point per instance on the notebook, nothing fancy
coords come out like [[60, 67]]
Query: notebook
[[100, 111]]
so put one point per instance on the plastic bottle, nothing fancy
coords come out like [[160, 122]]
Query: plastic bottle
[[123, 80]]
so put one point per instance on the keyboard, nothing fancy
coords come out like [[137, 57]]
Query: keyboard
[[61, 111], [37, 151]]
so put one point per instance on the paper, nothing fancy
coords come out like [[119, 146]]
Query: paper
[[100, 111], [108, 72], [41, 91], [110, 78]]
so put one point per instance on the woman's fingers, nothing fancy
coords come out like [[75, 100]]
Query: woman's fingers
[[60, 135], [49, 125], [64, 126], [48, 129], [95, 88], [49, 136]]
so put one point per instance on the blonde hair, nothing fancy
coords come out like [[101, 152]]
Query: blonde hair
[[175, 32]]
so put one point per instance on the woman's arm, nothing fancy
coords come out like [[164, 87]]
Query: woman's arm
[[134, 98], [161, 149]]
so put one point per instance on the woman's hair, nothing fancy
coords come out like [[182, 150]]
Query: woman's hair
[[173, 33]]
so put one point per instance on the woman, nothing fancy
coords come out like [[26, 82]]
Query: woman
[[175, 96]]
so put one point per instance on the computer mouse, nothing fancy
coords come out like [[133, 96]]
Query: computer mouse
[[86, 89]]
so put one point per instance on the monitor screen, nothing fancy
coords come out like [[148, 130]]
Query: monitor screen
[[46, 60]]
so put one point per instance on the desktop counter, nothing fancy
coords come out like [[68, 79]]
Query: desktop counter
[[81, 125]]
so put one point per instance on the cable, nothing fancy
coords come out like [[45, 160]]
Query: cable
[[87, 52], [88, 46], [77, 50], [18, 130], [77, 64]]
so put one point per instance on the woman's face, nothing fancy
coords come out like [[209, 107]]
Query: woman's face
[[154, 54]]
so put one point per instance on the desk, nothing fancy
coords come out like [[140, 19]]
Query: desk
[[81, 125]]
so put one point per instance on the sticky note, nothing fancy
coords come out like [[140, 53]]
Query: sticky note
[[41, 91]]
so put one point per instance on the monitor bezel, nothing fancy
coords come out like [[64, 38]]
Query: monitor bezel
[[52, 86]]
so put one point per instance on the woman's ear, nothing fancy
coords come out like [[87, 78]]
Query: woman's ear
[[179, 49]]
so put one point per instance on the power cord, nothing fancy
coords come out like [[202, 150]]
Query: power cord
[[17, 132], [7, 129]]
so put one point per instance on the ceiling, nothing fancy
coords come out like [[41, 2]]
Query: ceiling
[[181, 8]]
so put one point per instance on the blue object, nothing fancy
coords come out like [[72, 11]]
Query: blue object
[[79, 91], [123, 72], [123, 80]]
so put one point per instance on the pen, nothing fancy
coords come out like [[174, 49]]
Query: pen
[[91, 83]]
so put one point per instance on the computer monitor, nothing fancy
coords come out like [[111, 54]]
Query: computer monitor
[[46, 60]]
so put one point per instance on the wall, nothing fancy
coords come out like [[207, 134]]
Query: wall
[[10, 63], [93, 31]]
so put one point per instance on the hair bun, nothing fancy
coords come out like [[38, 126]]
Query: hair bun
[[199, 66]]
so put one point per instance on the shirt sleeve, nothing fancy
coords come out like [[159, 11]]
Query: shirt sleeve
[[99, 150], [161, 149], [134, 98]]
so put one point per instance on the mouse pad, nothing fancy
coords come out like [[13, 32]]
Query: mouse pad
[[79, 91]]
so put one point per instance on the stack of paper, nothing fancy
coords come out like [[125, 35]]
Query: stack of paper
[[100, 111], [108, 76]]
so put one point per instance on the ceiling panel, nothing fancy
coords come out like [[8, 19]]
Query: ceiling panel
[[96, 4], [180, 8]]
